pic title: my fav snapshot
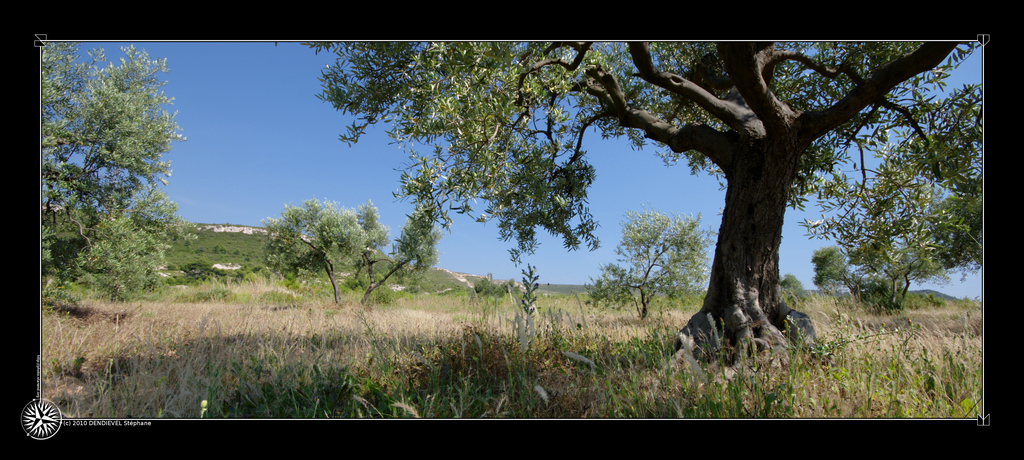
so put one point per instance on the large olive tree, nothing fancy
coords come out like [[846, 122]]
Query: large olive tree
[[508, 122]]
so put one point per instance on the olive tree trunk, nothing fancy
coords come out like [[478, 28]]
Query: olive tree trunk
[[744, 308], [329, 268], [396, 265]]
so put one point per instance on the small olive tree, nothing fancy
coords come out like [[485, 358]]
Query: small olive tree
[[660, 255], [415, 248], [312, 237], [874, 277], [129, 245], [831, 274], [792, 286], [317, 236]]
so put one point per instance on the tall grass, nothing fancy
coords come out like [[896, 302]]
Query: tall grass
[[257, 349]]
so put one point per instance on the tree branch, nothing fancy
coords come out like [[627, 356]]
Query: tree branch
[[716, 145], [383, 280], [704, 78], [875, 86], [578, 152], [581, 51], [748, 64], [730, 114], [611, 92], [778, 56], [907, 115]]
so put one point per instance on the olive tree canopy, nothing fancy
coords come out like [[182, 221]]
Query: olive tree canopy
[[104, 132], [318, 236]]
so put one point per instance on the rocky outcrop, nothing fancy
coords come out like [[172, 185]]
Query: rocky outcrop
[[231, 228], [458, 276], [469, 280]]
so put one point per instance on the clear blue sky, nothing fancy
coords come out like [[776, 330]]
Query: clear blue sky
[[258, 138]]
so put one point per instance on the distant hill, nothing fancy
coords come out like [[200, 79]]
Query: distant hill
[[564, 289], [242, 246], [938, 294], [220, 244], [923, 292]]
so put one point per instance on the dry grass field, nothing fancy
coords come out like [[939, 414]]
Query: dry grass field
[[255, 351]]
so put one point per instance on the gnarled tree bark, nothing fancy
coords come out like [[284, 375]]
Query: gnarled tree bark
[[744, 305]]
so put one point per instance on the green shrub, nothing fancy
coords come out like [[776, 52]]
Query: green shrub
[[915, 301], [382, 295], [291, 282], [276, 297], [486, 287], [219, 293], [355, 284], [55, 293], [877, 295], [792, 288]]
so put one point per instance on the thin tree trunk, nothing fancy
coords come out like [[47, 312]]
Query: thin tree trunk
[[644, 301], [329, 268], [369, 269], [369, 273]]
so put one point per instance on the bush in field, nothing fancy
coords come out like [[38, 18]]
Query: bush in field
[[831, 274], [883, 290], [122, 260], [930, 300], [486, 287], [791, 284], [878, 295], [384, 296]]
